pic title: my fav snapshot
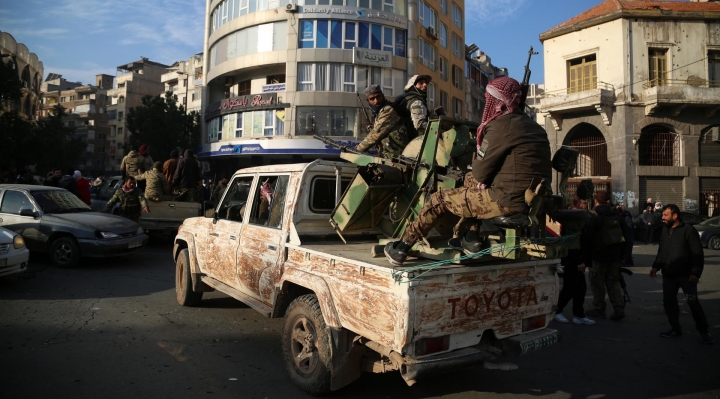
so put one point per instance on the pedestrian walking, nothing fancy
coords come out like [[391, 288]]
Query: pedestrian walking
[[681, 259], [627, 217]]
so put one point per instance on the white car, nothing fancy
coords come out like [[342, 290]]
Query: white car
[[13, 253]]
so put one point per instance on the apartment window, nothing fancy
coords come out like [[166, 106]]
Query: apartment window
[[251, 40], [72, 98], [443, 35], [582, 74], [457, 108], [658, 66], [443, 69], [121, 100], [275, 79], [119, 131], [386, 78], [194, 97], [427, 16], [457, 46], [443, 6], [714, 68], [326, 77], [62, 99], [326, 121], [101, 149], [444, 100], [243, 88], [457, 75], [426, 54], [431, 92], [457, 16], [345, 34], [120, 115]]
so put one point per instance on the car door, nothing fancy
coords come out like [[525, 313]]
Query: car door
[[263, 238], [12, 203], [223, 235]]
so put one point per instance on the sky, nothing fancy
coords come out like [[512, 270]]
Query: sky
[[81, 38]]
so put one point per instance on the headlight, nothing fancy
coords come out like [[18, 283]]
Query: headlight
[[700, 233], [104, 234], [18, 242], [140, 231]]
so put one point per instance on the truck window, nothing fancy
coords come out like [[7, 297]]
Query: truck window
[[236, 196], [322, 193], [269, 201]]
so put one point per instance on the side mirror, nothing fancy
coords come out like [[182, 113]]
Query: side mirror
[[28, 212]]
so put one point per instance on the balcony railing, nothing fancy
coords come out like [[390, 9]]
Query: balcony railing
[[568, 90], [689, 82]]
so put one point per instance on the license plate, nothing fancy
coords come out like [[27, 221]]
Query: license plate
[[135, 244], [540, 343], [3, 262]]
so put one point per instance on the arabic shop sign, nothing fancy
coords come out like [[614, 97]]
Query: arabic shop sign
[[273, 88], [353, 13], [242, 103], [376, 58]]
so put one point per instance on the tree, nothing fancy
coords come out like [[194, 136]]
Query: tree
[[53, 142], [163, 126]]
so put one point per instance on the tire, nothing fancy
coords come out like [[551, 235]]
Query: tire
[[306, 346], [183, 282], [714, 243], [65, 252]]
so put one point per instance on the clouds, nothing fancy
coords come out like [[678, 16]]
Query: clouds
[[491, 10]]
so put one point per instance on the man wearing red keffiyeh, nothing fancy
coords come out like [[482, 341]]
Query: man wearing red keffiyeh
[[512, 150]]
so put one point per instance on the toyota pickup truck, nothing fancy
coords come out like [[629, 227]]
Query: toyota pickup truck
[[346, 309]]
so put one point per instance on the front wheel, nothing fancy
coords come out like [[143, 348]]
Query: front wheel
[[306, 346], [65, 252], [183, 281], [714, 243]]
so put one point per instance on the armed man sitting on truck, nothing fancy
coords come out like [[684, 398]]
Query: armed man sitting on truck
[[389, 134], [157, 188], [512, 151], [412, 105]]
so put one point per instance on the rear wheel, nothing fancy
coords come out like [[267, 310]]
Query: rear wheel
[[65, 252], [714, 243], [306, 346], [183, 282]]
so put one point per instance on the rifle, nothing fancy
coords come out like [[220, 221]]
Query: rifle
[[623, 285], [337, 145], [367, 118], [525, 85]]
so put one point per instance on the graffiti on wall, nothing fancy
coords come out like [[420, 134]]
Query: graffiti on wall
[[618, 198], [692, 206], [631, 199]]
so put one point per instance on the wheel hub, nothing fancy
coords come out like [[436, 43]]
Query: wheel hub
[[63, 253], [304, 351]]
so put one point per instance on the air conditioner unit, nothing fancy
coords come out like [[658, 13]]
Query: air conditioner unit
[[431, 32], [291, 7], [229, 81], [715, 133]]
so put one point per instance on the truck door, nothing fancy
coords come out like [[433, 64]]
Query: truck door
[[263, 238]]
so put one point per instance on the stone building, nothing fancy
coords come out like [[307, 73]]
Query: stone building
[[134, 81], [479, 71], [277, 73], [29, 70], [184, 79], [635, 86]]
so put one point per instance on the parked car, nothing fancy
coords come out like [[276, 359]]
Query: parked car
[[710, 233], [13, 253], [692, 218], [54, 221]]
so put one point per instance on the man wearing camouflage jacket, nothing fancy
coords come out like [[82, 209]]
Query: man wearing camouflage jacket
[[157, 187], [132, 202], [412, 105], [389, 135]]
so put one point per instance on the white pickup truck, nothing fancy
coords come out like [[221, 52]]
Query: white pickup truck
[[345, 310]]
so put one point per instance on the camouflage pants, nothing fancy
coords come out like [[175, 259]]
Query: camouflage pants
[[186, 194], [467, 224], [606, 275], [466, 202], [131, 212], [393, 145]]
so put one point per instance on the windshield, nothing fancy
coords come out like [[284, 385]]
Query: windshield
[[59, 201], [713, 222]]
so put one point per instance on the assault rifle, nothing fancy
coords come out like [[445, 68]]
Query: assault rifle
[[337, 145], [362, 105], [525, 85]]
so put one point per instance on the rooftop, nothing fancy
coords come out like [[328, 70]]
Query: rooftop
[[139, 64]]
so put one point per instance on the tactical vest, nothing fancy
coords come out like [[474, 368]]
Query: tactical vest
[[402, 106]]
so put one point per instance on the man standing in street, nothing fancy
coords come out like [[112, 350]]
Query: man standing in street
[[648, 220], [170, 165], [681, 259], [389, 134], [603, 242], [83, 187], [185, 180]]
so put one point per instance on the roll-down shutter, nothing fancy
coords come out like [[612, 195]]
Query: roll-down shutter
[[668, 190]]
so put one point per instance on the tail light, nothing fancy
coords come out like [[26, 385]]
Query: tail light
[[427, 346], [533, 323]]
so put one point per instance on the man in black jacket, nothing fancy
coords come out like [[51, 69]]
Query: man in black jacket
[[681, 259], [185, 180]]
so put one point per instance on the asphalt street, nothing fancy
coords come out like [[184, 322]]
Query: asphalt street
[[112, 329]]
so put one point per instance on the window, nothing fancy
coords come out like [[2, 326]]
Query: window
[[714, 68], [228, 10], [13, 202], [443, 6], [119, 131], [269, 201], [120, 115], [457, 46], [346, 34], [457, 108], [62, 99], [121, 100], [431, 90], [243, 88], [582, 74], [427, 16], [443, 35], [386, 78], [326, 77], [658, 66], [251, 40], [236, 196], [275, 79], [457, 75], [326, 121], [72, 98], [443, 69], [444, 100], [426, 54], [322, 194], [457, 16]]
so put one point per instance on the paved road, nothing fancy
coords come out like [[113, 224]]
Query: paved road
[[112, 329]]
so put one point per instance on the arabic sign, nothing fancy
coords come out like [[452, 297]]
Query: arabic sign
[[273, 88], [236, 104], [376, 58], [354, 13]]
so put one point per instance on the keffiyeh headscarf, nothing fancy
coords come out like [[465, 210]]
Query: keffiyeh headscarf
[[502, 97]]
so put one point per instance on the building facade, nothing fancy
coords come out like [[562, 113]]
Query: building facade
[[184, 79], [635, 86], [86, 111], [479, 71], [134, 81], [278, 73], [30, 72]]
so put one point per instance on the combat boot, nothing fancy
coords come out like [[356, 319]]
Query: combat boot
[[396, 252]]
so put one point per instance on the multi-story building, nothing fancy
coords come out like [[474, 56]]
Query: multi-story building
[[29, 70], [536, 91], [85, 107], [134, 81], [184, 79], [277, 73], [635, 87], [479, 71]]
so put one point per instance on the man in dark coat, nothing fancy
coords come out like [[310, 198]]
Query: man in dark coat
[[681, 259], [185, 180], [648, 222]]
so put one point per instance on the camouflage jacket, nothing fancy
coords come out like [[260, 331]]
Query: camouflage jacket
[[131, 203], [132, 165], [388, 135], [156, 187], [419, 115]]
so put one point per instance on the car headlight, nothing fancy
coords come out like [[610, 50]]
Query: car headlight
[[700, 233], [18, 242], [140, 231], [105, 234]]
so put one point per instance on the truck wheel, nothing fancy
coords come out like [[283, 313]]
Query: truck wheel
[[65, 252], [306, 346], [183, 282]]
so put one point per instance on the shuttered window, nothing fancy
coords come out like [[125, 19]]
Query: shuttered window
[[582, 74], [668, 190], [658, 66]]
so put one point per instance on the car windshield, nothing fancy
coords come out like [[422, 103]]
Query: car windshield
[[59, 201], [712, 222]]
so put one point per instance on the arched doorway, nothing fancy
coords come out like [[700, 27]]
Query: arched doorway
[[659, 145], [593, 159]]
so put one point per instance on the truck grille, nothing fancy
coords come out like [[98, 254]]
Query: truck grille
[[4, 248]]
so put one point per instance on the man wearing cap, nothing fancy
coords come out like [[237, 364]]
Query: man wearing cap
[[413, 105], [389, 134], [157, 187]]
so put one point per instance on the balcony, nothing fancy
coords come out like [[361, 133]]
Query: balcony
[[678, 94], [558, 102]]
